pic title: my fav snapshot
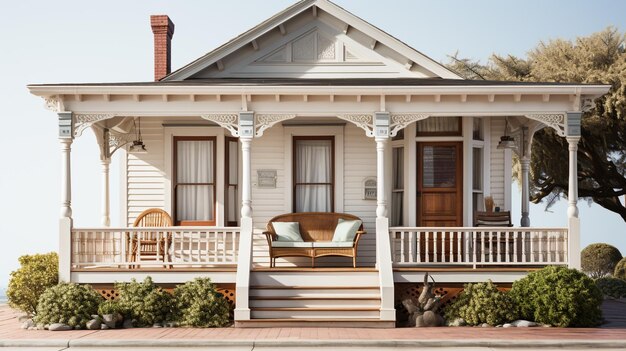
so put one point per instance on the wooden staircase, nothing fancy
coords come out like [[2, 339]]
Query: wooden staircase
[[315, 298]]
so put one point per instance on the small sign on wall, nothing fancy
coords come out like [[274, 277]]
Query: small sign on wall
[[266, 178], [369, 188]]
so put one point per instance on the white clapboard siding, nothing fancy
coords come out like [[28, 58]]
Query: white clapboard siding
[[497, 163]]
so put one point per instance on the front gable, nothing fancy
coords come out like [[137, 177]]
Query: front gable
[[313, 39]]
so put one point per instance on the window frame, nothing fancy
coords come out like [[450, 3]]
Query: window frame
[[436, 134], [227, 184], [175, 183], [294, 184]]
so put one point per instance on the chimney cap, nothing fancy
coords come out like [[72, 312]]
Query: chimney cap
[[160, 23]]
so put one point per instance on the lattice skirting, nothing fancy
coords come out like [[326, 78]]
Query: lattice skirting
[[449, 293], [110, 293]]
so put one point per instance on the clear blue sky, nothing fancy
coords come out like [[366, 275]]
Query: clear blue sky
[[108, 41]]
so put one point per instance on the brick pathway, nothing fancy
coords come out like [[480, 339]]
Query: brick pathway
[[10, 330]]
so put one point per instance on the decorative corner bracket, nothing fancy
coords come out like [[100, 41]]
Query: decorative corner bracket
[[84, 121], [555, 121], [397, 122], [363, 121], [225, 120], [266, 121], [53, 103], [401, 120]]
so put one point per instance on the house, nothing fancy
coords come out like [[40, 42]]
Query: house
[[314, 110]]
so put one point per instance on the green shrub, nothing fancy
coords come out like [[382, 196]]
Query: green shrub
[[599, 260], [111, 307], [612, 287], [36, 274], [68, 303], [482, 303], [146, 303], [200, 305], [558, 296], [620, 269]]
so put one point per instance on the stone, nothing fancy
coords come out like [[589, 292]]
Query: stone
[[94, 324], [95, 316], [523, 324], [128, 323], [457, 322], [484, 325], [431, 319], [157, 325], [32, 328], [27, 324], [103, 326], [59, 327], [23, 318], [78, 327], [110, 320], [507, 325], [419, 321], [410, 305], [46, 327]]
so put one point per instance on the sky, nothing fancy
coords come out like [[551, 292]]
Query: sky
[[111, 41]]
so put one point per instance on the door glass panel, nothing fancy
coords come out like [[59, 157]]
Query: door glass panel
[[439, 166]]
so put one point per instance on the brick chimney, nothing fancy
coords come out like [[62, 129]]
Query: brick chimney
[[163, 29]]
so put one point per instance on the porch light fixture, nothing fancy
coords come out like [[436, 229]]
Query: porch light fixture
[[506, 141], [138, 147]]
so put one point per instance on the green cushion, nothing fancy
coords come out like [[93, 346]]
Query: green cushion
[[287, 231], [331, 244], [346, 230], [291, 244]]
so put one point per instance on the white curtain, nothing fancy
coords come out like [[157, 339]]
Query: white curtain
[[313, 165], [195, 165]]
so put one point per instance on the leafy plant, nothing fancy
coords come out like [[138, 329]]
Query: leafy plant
[[482, 303], [200, 305], [612, 287], [620, 269], [558, 296], [146, 303], [68, 303], [111, 307], [599, 260], [36, 274]]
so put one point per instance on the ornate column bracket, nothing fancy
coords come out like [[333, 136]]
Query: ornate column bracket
[[401, 120], [363, 121], [230, 121], [53, 103], [556, 121], [86, 120], [266, 121], [117, 140]]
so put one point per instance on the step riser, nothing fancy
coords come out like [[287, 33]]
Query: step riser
[[315, 314], [260, 323], [336, 293], [315, 279], [315, 303]]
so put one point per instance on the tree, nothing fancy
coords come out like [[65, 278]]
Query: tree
[[598, 58]]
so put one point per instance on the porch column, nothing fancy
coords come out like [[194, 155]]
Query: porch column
[[66, 136], [383, 245], [106, 209], [573, 137], [244, 264], [525, 163]]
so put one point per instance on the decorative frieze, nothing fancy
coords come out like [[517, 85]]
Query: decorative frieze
[[266, 121]]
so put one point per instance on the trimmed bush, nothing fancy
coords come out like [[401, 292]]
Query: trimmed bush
[[36, 274], [111, 307], [200, 305], [482, 303], [599, 260], [145, 302], [612, 287], [558, 296], [68, 303], [620, 269]]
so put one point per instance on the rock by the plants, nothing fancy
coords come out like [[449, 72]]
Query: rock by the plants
[[523, 323], [94, 324], [157, 325], [59, 327], [128, 323], [457, 322], [27, 324], [103, 326], [419, 321], [110, 320], [23, 318], [484, 325], [431, 319], [507, 325]]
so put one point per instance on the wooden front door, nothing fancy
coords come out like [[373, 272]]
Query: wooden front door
[[440, 196]]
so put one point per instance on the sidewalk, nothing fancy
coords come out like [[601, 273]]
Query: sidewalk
[[11, 336]]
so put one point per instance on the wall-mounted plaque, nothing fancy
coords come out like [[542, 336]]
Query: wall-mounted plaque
[[369, 188], [266, 178]]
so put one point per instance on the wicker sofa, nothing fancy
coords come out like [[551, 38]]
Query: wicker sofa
[[316, 229]]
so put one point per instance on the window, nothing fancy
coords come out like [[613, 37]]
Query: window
[[477, 178], [232, 182], [194, 180], [439, 166], [439, 126], [314, 174], [397, 191]]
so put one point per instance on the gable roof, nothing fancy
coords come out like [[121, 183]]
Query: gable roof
[[412, 57]]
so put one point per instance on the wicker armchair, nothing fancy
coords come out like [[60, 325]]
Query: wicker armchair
[[151, 245]]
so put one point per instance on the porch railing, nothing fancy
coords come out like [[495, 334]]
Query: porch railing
[[174, 247], [480, 246]]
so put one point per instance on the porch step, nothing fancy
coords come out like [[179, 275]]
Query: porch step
[[315, 323], [291, 298]]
